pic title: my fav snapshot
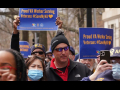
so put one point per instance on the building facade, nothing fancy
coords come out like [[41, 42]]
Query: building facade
[[111, 18]]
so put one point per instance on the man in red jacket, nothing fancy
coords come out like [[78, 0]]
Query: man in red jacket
[[61, 68]]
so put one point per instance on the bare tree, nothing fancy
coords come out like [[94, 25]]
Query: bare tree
[[72, 18], [5, 31]]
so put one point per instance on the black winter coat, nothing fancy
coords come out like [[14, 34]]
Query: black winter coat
[[76, 71]]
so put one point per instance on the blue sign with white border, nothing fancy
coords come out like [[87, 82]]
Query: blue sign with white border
[[38, 19], [92, 40], [25, 48]]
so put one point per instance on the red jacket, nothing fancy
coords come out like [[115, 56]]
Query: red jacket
[[76, 71], [63, 75]]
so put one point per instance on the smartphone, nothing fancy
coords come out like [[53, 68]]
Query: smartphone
[[105, 55]]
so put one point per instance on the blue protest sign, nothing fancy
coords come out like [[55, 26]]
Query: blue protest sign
[[25, 48], [50, 48], [38, 19], [92, 40]]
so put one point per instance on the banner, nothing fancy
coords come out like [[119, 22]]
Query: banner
[[50, 48], [92, 40], [25, 48], [38, 19]]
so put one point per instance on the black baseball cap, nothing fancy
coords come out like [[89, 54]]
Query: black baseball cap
[[38, 46], [47, 52]]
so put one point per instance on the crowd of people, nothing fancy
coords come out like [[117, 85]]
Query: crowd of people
[[59, 64]]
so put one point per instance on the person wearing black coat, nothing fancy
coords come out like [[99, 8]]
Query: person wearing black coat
[[76, 71], [61, 68], [67, 70]]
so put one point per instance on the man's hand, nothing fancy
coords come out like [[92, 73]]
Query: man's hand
[[17, 21], [59, 22], [15, 24]]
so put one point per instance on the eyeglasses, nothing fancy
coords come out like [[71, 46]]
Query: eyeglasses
[[115, 61], [37, 52], [7, 68], [60, 49]]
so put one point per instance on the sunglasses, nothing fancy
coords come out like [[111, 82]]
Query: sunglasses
[[60, 49], [33, 53]]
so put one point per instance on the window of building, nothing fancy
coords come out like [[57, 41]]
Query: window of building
[[114, 35]]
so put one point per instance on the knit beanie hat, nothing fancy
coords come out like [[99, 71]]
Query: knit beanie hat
[[59, 38]]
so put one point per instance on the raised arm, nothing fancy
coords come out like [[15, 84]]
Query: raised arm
[[15, 35]]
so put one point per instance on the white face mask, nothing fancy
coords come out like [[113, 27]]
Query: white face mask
[[116, 71]]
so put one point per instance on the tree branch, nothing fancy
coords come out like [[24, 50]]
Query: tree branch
[[70, 29], [50, 34], [5, 31], [8, 13]]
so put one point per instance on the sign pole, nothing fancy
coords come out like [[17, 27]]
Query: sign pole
[[35, 37], [95, 22], [89, 17]]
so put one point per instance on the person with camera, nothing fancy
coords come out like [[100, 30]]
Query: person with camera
[[111, 72], [101, 67], [114, 74]]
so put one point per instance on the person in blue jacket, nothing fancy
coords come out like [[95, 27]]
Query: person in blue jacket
[[112, 74], [101, 67]]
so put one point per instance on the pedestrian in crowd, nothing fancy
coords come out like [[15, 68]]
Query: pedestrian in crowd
[[49, 55], [35, 69], [61, 68], [47, 60], [72, 53], [114, 74], [37, 49], [76, 57], [90, 63], [101, 67], [12, 66]]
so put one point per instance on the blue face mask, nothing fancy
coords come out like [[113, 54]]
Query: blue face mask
[[116, 71], [35, 75]]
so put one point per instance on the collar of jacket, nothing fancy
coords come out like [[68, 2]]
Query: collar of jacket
[[71, 66]]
